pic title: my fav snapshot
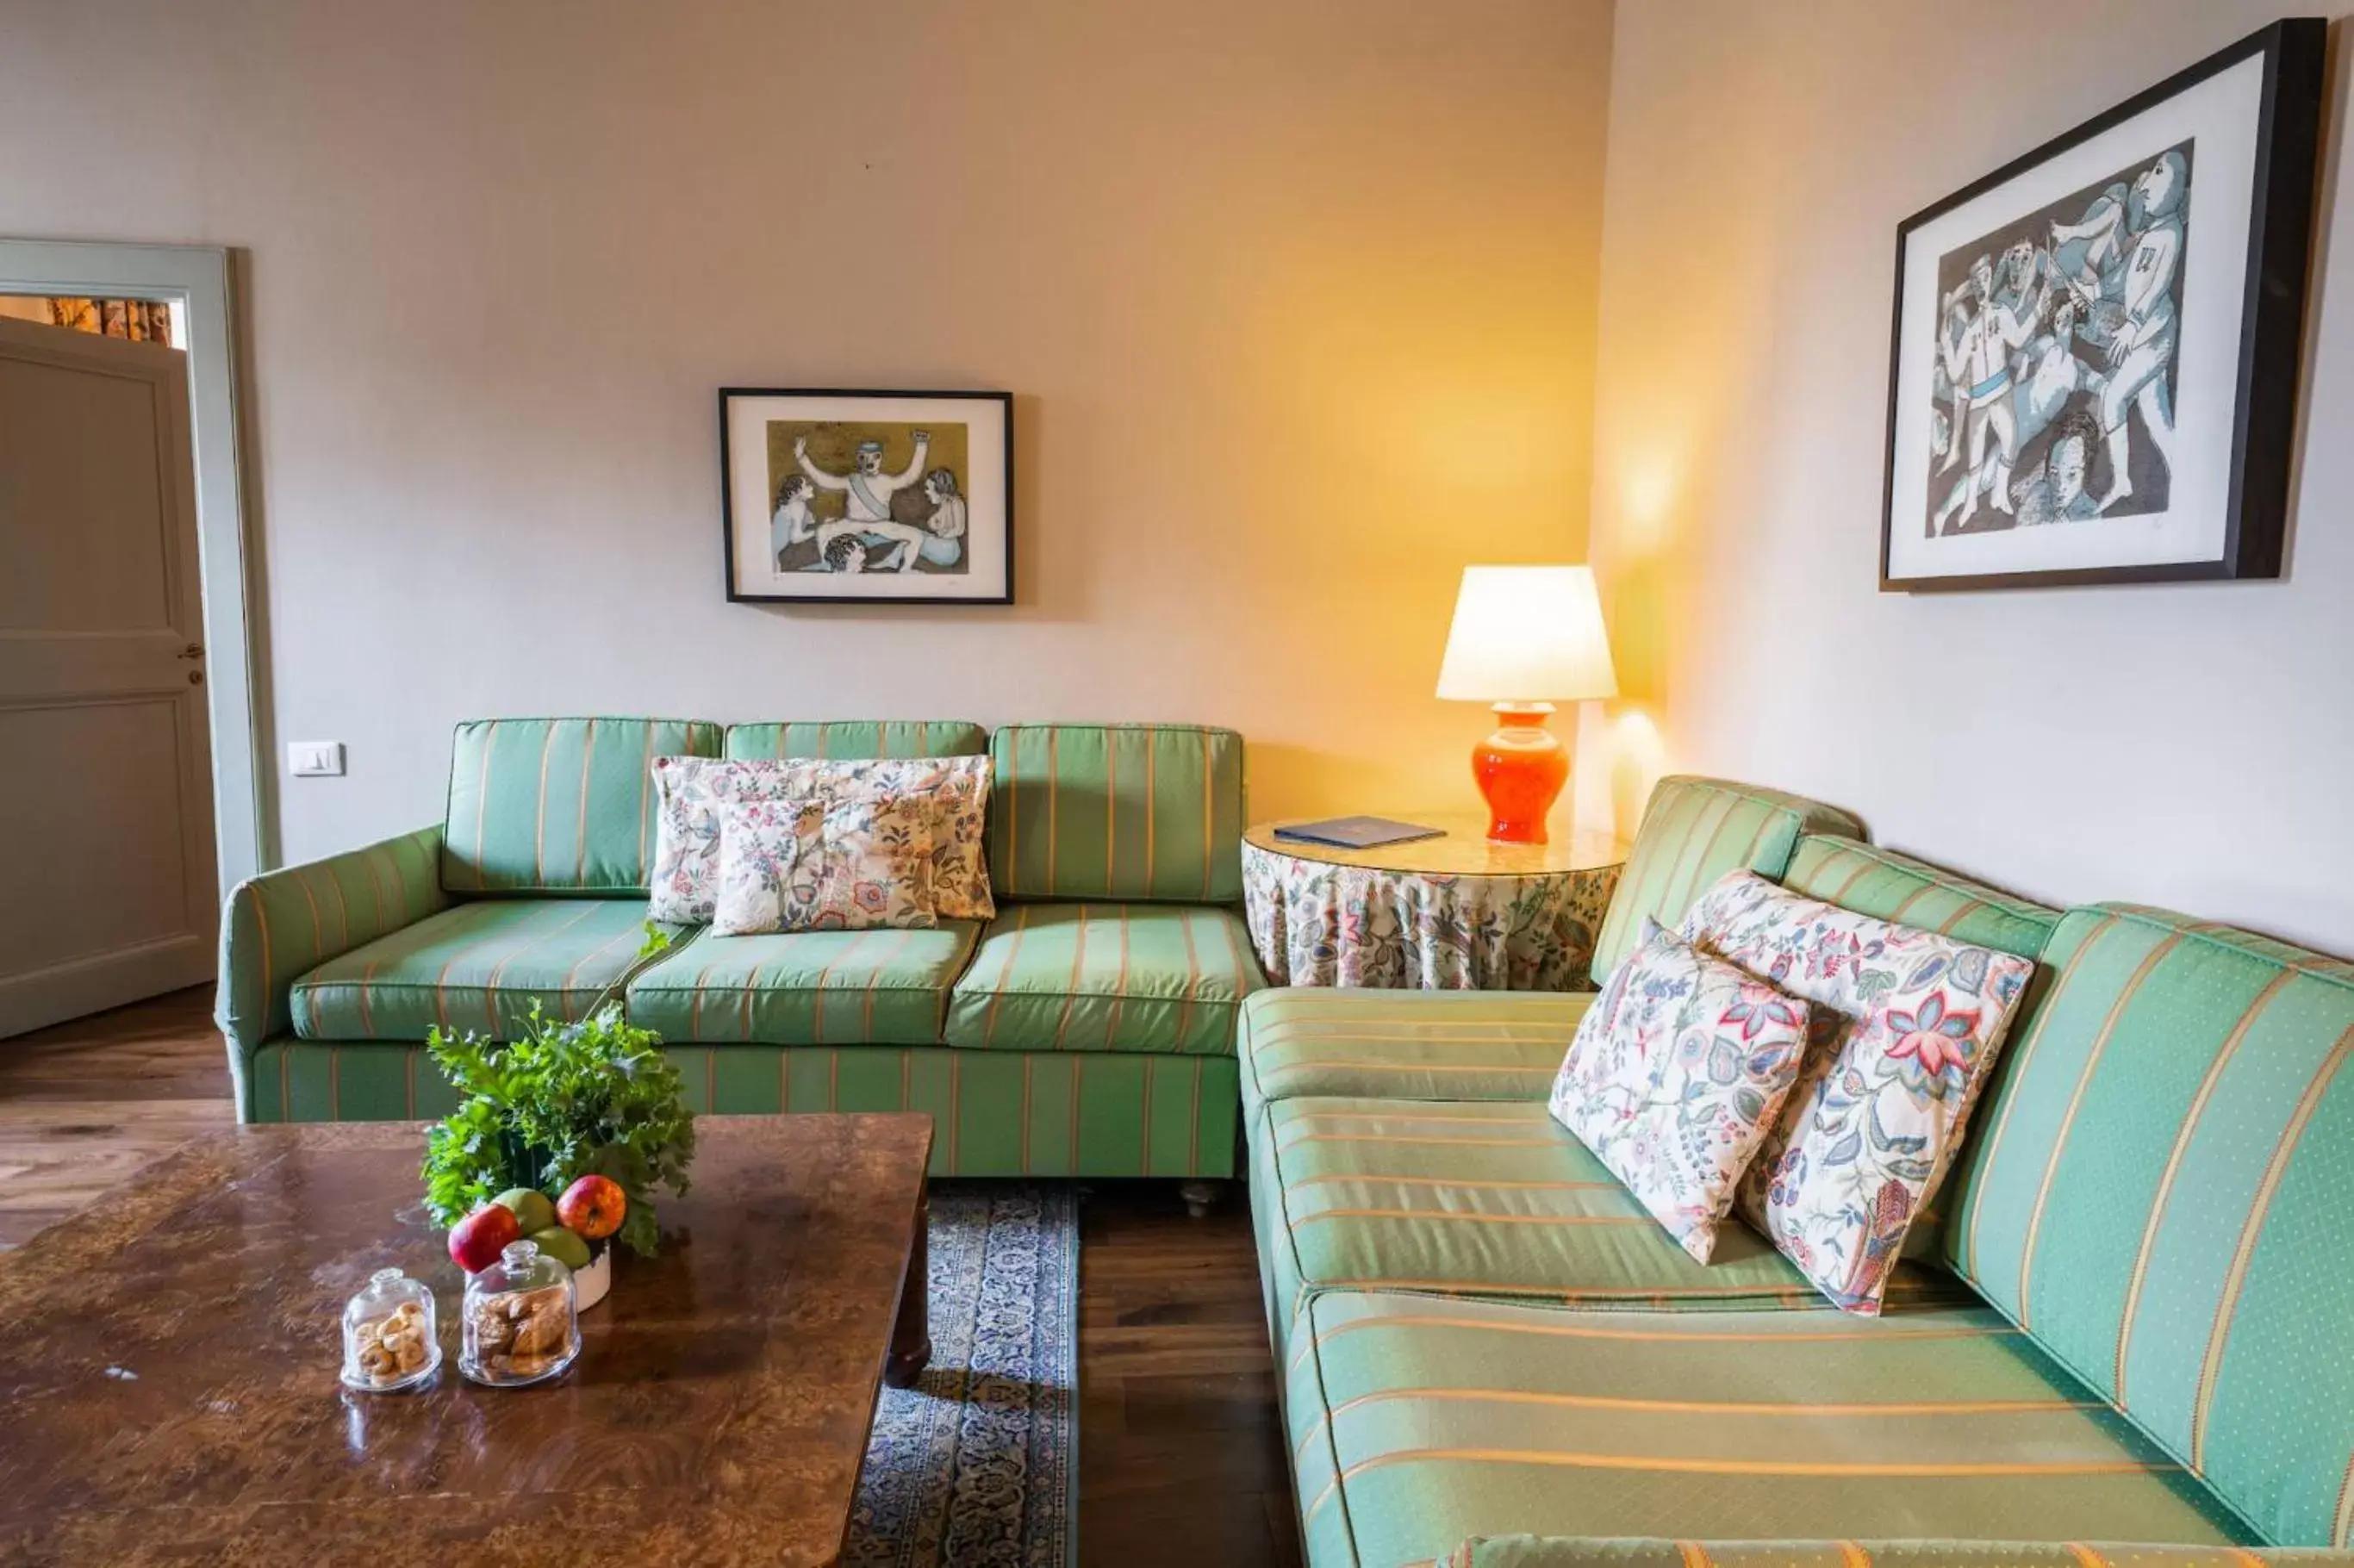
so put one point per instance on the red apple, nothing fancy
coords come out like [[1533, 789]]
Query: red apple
[[476, 1241], [592, 1207]]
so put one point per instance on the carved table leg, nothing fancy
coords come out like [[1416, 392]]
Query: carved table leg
[[911, 1336]]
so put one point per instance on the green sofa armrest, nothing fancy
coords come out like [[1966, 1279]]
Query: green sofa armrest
[[1564, 1552], [279, 925]]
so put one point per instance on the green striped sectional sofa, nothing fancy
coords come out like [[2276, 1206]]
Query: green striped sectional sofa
[[2130, 1318], [1087, 1030]]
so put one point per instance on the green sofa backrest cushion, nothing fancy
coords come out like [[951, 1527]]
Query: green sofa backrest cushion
[[857, 739], [2159, 1190], [1907, 891], [1126, 811], [558, 805], [1693, 832]]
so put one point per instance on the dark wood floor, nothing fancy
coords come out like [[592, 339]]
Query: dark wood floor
[[1180, 1459]]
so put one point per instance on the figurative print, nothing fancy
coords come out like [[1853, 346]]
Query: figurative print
[[2093, 369], [855, 497], [860, 497], [2055, 381]]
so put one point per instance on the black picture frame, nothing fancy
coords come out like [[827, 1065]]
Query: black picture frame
[[2279, 241], [739, 593]]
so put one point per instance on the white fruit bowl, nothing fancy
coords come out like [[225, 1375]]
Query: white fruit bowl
[[590, 1284]]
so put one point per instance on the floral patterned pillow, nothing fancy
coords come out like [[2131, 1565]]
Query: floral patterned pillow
[[690, 792], [957, 790], [797, 865], [1675, 1077], [1906, 1026]]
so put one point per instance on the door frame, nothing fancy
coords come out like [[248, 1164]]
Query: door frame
[[197, 278]]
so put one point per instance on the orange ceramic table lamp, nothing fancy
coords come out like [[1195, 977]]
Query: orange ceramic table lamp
[[1523, 639]]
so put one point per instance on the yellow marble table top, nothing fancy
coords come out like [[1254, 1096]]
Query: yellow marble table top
[[1464, 851]]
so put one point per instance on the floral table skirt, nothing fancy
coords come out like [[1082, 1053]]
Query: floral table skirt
[[1315, 923]]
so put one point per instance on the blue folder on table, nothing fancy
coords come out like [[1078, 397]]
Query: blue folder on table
[[1357, 833]]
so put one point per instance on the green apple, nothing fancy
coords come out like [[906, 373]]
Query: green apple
[[534, 1210], [565, 1247]]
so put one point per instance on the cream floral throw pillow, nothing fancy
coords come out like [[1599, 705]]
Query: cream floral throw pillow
[[690, 792], [1906, 1025], [1676, 1076], [956, 788], [788, 865]]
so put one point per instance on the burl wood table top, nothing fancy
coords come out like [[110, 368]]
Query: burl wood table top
[[169, 1364]]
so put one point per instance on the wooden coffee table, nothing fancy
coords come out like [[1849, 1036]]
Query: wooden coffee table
[[170, 1357]]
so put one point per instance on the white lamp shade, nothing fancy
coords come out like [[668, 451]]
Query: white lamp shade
[[1527, 635]]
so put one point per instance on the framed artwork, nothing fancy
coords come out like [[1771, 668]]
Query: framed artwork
[[2094, 377], [848, 497]]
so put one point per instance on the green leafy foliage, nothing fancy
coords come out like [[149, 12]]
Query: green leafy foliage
[[566, 1101]]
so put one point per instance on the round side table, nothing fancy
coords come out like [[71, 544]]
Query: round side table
[[1456, 913]]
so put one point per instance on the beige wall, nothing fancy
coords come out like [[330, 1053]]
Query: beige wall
[[1296, 298], [2186, 744]]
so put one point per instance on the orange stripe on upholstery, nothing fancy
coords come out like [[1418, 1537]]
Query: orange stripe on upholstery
[[580, 843], [2068, 1120], [1151, 753], [1779, 1410], [1452, 1183], [2236, 1278], [539, 813], [1209, 822], [1078, 968], [2018, 1056], [1432, 1138], [1457, 1217], [2174, 1167], [1898, 1469], [1545, 1072], [1588, 1331], [818, 988], [1054, 788], [999, 982], [645, 783]]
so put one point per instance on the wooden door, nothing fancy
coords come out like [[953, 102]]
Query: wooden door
[[107, 882]]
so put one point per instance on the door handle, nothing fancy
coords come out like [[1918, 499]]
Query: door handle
[[193, 650]]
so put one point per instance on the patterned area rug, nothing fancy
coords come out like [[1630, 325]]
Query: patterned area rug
[[973, 1467]]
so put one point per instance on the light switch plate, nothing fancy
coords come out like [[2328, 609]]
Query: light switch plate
[[314, 759]]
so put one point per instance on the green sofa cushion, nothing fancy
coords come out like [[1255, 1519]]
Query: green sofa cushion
[[1907, 891], [999, 1113], [476, 967], [1495, 1199], [559, 805], [1405, 1044], [1693, 832], [876, 987], [853, 739], [1117, 812], [1416, 1423], [2160, 1190], [1159, 978]]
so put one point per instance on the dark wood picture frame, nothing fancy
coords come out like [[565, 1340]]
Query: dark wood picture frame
[[2280, 232], [737, 594]]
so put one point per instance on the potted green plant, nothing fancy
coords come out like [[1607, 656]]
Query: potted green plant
[[595, 1097]]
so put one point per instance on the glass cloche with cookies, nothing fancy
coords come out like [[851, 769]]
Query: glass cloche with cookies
[[389, 1337], [521, 1320]]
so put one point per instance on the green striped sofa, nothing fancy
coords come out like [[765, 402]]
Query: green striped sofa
[[2125, 1334], [1087, 1030]]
